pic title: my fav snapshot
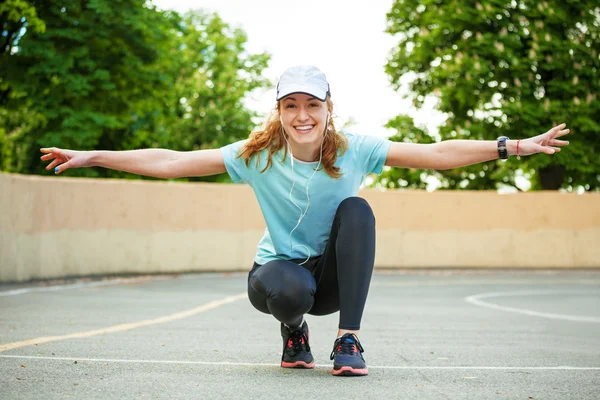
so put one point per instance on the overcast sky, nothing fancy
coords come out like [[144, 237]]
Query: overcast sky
[[344, 39]]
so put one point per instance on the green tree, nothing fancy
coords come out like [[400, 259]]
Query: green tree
[[512, 67], [122, 75], [214, 75], [16, 17], [85, 79], [406, 132]]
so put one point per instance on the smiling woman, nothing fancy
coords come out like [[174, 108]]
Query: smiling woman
[[318, 250], [302, 121]]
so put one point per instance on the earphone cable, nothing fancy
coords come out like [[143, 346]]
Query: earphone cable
[[302, 212]]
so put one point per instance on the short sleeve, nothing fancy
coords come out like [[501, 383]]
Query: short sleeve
[[371, 152], [236, 167]]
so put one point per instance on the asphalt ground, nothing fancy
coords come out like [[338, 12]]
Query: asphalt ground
[[427, 335]]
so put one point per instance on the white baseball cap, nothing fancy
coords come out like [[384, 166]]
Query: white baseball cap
[[305, 79]]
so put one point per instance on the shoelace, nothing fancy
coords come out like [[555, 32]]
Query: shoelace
[[299, 341], [347, 344]]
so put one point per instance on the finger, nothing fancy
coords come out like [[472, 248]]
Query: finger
[[560, 126], [49, 150], [50, 156], [555, 129], [545, 149], [548, 150], [61, 168], [53, 164], [562, 133], [555, 142]]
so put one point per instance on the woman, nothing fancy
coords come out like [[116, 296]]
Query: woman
[[316, 256]]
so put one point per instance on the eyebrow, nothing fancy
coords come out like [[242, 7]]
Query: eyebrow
[[294, 99]]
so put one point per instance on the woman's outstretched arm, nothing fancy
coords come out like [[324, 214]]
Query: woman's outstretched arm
[[159, 163], [459, 153]]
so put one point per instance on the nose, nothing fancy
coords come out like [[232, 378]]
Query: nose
[[302, 114]]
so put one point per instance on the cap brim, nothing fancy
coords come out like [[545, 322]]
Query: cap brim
[[285, 91]]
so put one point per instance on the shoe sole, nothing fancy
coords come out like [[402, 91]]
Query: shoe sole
[[297, 364], [349, 371]]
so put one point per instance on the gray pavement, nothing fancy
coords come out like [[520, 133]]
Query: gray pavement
[[427, 335]]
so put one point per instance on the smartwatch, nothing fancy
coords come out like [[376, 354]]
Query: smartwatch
[[502, 151]]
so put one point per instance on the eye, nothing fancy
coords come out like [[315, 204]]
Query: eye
[[289, 105], [313, 105]]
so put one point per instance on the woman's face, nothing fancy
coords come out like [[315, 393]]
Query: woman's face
[[304, 118]]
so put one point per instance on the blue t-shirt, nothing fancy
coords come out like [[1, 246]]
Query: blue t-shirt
[[365, 154]]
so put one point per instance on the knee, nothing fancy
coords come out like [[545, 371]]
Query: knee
[[356, 210], [289, 287]]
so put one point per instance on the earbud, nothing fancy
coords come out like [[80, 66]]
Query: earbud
[[281, 120]]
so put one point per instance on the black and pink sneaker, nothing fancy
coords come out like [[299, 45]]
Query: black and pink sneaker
[[296, 350], [347, 357]]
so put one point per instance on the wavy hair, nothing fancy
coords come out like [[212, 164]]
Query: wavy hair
[[271, 137]]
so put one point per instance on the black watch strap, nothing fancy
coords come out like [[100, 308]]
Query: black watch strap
[[502, 150]]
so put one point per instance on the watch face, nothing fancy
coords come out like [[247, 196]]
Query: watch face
[[502, 149]]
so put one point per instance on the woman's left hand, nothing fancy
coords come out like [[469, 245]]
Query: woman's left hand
[[544, 143]]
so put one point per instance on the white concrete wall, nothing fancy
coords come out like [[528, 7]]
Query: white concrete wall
[[59, 226]]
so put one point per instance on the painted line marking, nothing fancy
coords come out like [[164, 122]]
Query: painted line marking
[[242, 364], [128, 326], [476, 300], [485, 282], [120, 281], [68, 286]]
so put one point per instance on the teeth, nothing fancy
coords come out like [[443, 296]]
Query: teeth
[[304, 128]]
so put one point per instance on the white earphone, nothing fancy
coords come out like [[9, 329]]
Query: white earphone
[[302, 212]]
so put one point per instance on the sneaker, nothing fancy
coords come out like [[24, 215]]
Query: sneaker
[[296, 350], [347, 356]]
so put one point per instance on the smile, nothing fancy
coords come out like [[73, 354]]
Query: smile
[[304, 128]]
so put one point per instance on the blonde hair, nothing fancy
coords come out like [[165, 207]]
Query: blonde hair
[[271, 137]]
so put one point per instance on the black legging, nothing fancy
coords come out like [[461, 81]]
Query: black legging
[[337, 280]]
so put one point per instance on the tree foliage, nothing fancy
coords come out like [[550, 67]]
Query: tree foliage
[[505, 67], [119, 75], [16, 17], [214, 74]]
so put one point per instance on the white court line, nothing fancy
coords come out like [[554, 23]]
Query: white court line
[[475, 299], [54, 288], [239, 364], [484, 282], [16, 292], [127, 326]]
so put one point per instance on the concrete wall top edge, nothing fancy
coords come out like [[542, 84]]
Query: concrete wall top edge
[[57, 203]]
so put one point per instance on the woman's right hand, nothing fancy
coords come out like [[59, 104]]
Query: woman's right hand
[[64, 159]]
